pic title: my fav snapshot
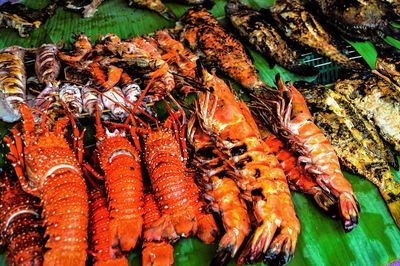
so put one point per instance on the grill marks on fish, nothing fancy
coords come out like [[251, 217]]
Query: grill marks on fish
[[253, 26], [377, 100], [301, 26], [203, 32], [357, 19]]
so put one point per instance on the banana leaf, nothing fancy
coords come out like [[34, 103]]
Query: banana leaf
[[376, 240]]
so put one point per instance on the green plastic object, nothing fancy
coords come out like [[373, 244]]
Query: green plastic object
[[375, 241]]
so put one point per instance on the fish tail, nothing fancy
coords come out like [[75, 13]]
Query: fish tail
[[392, 198]]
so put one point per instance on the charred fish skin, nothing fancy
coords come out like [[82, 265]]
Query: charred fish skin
[[252, 26], [321, 99], [12, 82], [388, 64], [356, 19], [155, 5], [375, 99], [301, 26], [346, 133], [203, 32], [393, 8], [47, 64], [22, 18]]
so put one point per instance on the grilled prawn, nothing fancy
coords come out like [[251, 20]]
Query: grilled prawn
[[20, 225], [258, 172], [47, 167], [223, 193], [202, 31], [287, 113], [298, 178]]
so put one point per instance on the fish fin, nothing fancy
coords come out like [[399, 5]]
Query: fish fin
[[392, 199]]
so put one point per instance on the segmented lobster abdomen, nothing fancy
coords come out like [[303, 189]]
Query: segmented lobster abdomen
[[156, 251], [167, 174], [156, 227], [124, 187], [20, 225], [99, 232], [65, 210]]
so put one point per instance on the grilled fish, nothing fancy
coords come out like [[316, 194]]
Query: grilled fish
[[155, 5], [377, 100], [12, 82], [352, 141], [393, 7], [356, 19], [22, 18], [253, 26], [301, 26], [202, 32], [388, 64]]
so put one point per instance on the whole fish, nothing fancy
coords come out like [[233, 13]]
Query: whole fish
[[253, 26], [22, 18], [377, 100], [353, 142], [47, 65], [155, 5], [356, 19], [12, 82], [203, 32], [300, 26]]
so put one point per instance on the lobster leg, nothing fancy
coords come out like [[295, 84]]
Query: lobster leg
[[87, 168], [16, 157], [78, 139]]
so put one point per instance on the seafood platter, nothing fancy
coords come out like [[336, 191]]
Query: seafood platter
[[199, 132]]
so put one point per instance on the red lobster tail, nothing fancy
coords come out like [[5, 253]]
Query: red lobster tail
[[67, 236], [103, 253], [20, 224]]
